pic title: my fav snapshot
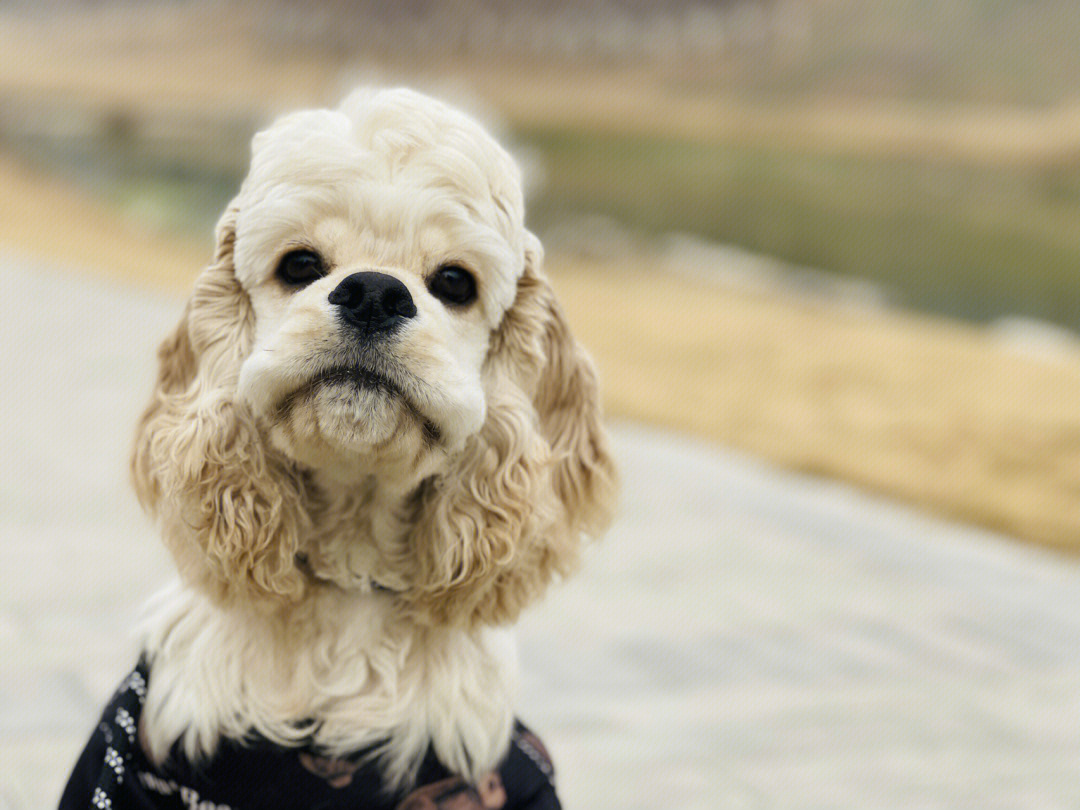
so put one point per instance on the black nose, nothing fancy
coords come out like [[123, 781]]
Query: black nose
[[373, 302]]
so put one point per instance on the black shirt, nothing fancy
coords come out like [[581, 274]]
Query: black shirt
[[113, 773]]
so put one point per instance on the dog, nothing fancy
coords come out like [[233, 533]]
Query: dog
[[373, 441]]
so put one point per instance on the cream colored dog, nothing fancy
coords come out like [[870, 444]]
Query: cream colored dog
[[373, 441]]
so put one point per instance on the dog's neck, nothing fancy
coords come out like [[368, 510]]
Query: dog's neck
[[358, 530], [342, 670]]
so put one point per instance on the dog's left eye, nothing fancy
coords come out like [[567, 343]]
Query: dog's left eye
[[453, 284], [298, 268]]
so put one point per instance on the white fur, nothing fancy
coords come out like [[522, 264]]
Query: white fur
[[365, 676]]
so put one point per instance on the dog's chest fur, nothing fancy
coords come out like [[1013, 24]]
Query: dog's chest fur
[[342, 675]]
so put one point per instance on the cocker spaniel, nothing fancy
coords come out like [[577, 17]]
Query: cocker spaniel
[[373, 441]]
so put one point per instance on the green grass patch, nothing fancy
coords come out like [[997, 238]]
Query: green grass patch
[[156, 185], [963, 240]]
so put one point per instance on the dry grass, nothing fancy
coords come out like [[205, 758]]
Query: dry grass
[[928, 411], [44, 217], [213, 58]]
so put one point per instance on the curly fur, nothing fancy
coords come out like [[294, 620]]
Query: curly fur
[[343, 574]]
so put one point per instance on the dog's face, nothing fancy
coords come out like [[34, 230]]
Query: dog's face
[[380, 246], [376, 323]]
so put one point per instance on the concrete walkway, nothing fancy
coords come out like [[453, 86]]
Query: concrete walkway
[[744, 638]]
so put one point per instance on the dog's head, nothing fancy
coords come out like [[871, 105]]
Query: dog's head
[[372, 382]]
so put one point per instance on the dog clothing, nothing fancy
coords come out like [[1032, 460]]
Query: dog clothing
[[113, 773]]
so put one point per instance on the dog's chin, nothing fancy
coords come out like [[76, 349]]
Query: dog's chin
[[351, 422]]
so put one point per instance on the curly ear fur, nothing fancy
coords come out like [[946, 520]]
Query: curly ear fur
[[230, 507], [509, 517]]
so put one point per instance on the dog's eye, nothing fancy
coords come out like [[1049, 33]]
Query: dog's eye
[[298, 268], [453, 284]]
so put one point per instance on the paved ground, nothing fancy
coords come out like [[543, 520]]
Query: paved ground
[[744, 638]]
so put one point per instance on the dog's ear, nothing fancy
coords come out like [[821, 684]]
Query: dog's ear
[[230, 508], [510, 515]]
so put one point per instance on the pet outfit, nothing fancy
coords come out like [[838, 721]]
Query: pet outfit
[[113, 773]]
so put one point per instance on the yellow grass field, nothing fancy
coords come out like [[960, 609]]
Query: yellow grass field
[[928, 411]]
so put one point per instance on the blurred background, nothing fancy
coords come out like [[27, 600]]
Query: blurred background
[[761, 192], [840, 236]]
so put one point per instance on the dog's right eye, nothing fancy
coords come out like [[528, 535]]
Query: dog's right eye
[[299, 268]]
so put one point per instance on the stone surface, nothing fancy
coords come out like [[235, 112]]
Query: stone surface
[[743, 638]]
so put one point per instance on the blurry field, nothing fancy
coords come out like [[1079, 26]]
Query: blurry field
[[971, 241], [1007, 236], [930, 149], [856, 165], [930, 411]]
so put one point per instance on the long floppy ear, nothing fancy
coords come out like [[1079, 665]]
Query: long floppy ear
[[510, 516], [230, 508]]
